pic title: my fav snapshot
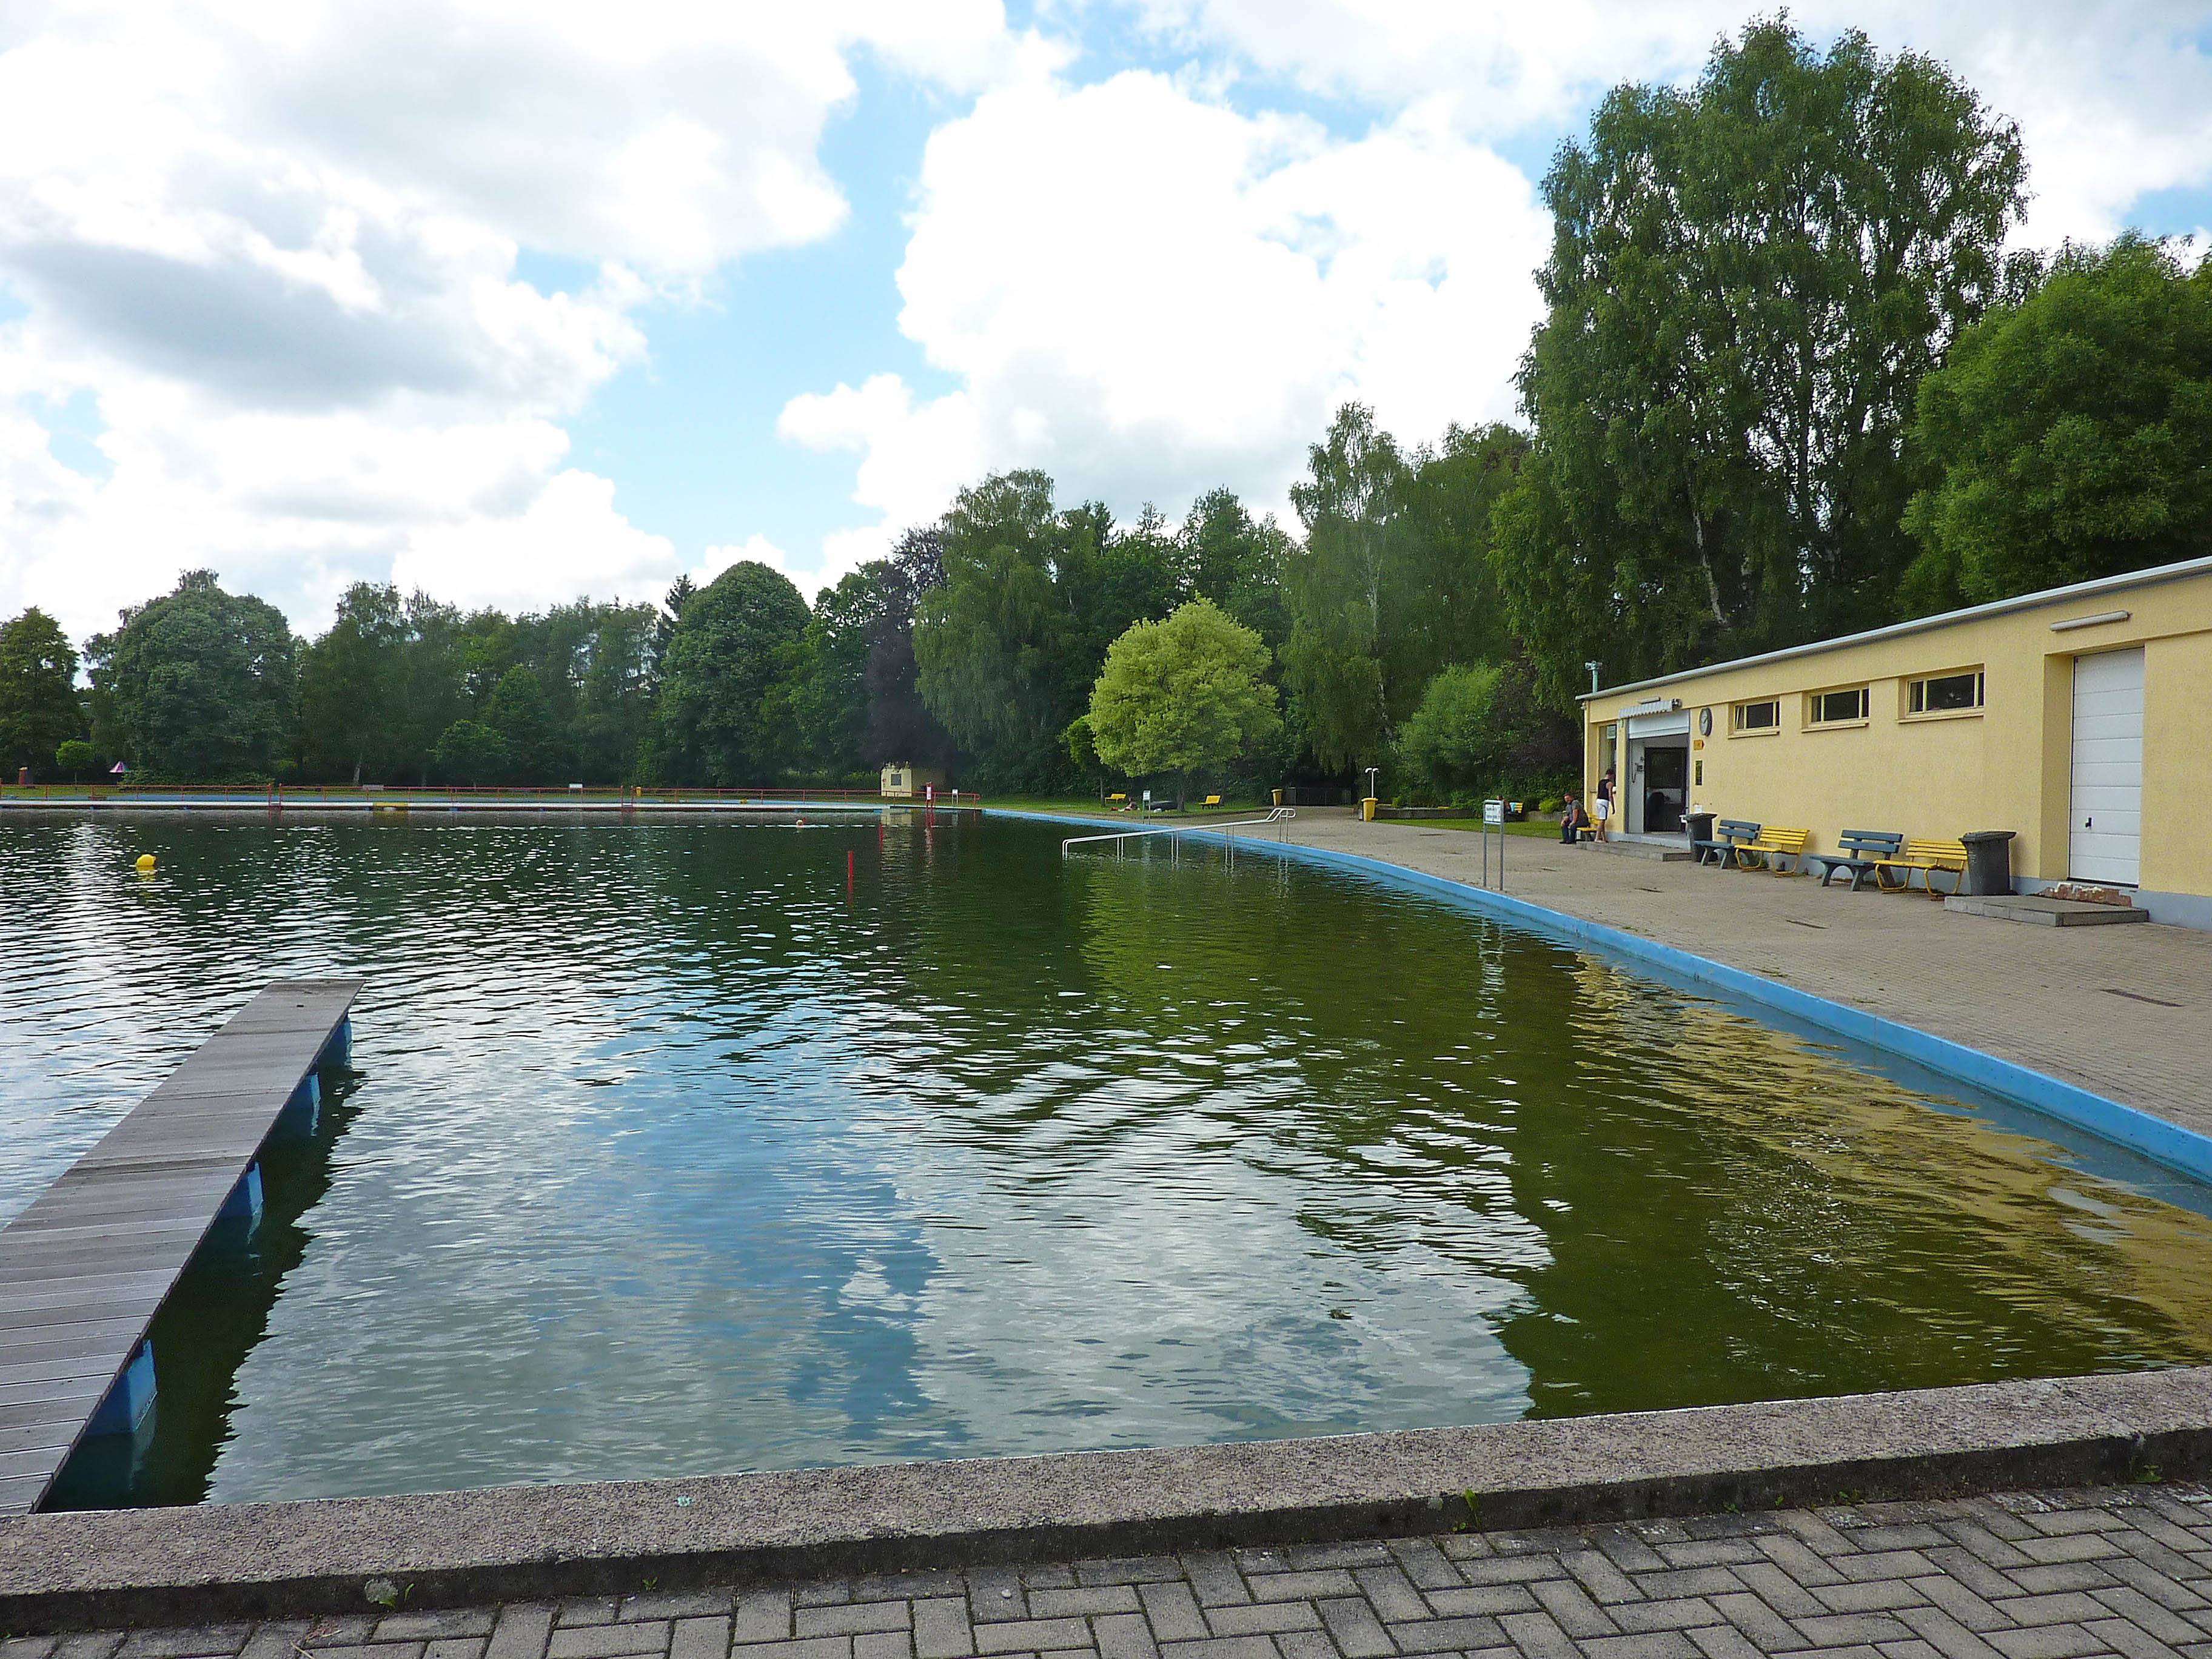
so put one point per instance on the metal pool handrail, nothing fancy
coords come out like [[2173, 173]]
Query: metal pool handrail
[[1280, 814]]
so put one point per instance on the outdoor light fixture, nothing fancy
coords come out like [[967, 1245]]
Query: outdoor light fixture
[[2097, 621], [1593, 668]]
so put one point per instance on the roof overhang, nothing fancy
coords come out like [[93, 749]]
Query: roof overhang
[[2049, 596]]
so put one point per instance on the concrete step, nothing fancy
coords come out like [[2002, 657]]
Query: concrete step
[[1656, 851], [2046, 912]]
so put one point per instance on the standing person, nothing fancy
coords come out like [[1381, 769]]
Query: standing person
[[1601, 813]]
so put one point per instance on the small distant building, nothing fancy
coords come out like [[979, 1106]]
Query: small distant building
[[2071, 717], [904, 778]]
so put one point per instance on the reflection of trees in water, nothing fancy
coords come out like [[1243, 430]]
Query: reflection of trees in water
[[1331, 1099], [1324, 1030], [212, 1320], [1753, 1219]]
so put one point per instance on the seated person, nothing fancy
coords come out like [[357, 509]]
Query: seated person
[[1573, 821]]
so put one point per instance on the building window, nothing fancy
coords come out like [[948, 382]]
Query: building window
[[1759, 716], [1837, 707], [1945, 694]]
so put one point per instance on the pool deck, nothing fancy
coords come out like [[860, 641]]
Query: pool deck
[[2051, 1574], [2123, 1012]]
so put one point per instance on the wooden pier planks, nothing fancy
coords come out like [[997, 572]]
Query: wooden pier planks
[[85, 1268]]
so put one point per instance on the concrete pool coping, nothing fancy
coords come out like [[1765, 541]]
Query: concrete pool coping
[[2144, 1132], [215, 1562]]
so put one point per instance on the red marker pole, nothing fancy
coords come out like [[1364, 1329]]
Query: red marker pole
[[848, 873]]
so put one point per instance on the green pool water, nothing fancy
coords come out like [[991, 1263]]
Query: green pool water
[[670, 1153]]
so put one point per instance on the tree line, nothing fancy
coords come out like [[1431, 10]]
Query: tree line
[[1789, 383]]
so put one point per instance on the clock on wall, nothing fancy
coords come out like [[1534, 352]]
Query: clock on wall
[[1704, 722]]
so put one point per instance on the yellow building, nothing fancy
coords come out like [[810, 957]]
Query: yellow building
[[2068, 717]]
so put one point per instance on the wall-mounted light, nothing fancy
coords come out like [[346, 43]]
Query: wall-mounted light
[[2097, 621]]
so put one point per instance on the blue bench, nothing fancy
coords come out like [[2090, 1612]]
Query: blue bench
[[1730, 837], [1860, 851]]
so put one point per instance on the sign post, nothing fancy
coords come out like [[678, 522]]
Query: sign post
[[1494, 813]]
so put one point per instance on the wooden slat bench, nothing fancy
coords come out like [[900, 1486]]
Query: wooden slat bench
[[1729, 836], [1929, 857], [1860, 851], [1773, 846]]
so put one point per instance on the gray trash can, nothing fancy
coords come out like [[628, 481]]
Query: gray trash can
[[1988, 862], [1700, 825]]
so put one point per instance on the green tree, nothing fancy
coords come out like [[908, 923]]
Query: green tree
[[721, 716], [467, 752], [1225, 556], [519, 714], [830, 691], [433, 691], [614, 698], [900, 726], [353, 689], [1395, 578], [75, 757], [200, 682], [38, 707], [1747, 281], [2069, 435], [1183, 696], [991, 645], [1455, 741]]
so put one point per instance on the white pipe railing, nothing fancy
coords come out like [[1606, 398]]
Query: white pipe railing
[[1281, 817]]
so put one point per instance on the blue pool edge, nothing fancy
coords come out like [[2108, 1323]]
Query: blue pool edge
[[2139, 1132]]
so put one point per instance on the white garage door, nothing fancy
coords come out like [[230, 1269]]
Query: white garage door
[[2108, 721]]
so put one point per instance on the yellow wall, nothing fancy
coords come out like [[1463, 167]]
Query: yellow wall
[[2005, 767]]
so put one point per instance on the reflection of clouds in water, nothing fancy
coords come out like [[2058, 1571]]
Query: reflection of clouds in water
[[1163, 1221]]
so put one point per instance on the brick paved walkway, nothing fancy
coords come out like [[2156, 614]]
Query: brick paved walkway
[[2123, 1012], [2047, 1576]]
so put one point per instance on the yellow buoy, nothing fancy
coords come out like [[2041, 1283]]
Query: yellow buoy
[[145, 864]]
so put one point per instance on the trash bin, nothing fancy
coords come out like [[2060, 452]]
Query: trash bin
[[1988, 862], [1367, 808], [1278, 798], [1700, 825]]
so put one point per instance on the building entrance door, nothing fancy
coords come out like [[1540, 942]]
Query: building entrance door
[[1662, 791], [2104, 838]]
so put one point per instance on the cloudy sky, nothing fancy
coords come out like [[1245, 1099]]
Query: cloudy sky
[[516, 300]]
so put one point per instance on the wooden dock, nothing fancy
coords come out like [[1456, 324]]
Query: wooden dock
[[84, 1270]]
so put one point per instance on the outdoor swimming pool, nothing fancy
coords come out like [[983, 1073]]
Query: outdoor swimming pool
[[670, 1157]]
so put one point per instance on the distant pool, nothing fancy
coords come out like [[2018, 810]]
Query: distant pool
[[671, 1158]]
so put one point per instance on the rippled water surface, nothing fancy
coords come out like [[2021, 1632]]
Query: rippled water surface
[[670, 1156]]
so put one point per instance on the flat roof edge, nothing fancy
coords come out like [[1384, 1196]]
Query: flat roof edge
[[2049, 596]]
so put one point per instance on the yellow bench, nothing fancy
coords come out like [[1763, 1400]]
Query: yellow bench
[[1210, 800], [1928, 857], [1772, 848]]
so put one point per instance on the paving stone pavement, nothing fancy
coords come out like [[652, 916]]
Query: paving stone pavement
[[2123, 1012], [2016, 1576]]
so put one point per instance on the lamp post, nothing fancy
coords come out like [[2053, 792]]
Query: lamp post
[[1593, 668]]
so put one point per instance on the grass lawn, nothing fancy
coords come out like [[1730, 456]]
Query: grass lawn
[[1539, 831]]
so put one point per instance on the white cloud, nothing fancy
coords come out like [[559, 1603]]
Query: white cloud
[[569, 541], [279, 243], [2111, 98], [1148, 293]]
